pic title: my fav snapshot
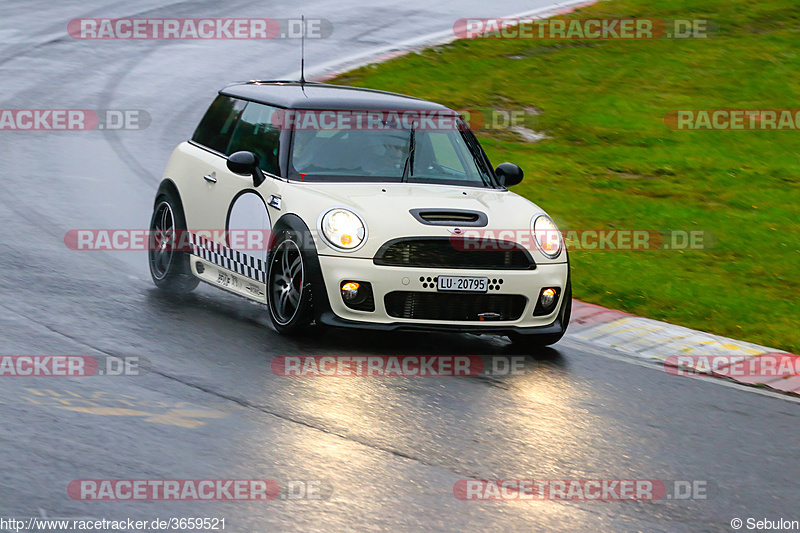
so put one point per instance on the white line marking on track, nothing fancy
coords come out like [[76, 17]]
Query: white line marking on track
[[432, 39], [610, 353]]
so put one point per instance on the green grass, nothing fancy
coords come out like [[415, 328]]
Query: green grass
[[611, 162]]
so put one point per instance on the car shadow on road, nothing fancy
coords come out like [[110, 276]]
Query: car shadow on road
[[228, 310]]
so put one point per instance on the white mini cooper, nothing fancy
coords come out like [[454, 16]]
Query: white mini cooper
[[357, 208]]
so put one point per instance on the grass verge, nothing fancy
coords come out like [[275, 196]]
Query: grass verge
[[611, 162]]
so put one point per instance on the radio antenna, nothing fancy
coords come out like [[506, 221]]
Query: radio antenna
[[303, 51]]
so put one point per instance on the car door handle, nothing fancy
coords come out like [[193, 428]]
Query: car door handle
[[210, 178]]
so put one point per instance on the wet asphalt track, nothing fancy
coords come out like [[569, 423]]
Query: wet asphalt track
[[390, 449]]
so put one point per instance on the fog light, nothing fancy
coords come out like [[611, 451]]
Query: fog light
[[548, 297], [350, 291], [358, 295]]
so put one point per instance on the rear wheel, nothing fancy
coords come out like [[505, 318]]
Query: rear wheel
[[288, 287], [169, 264]]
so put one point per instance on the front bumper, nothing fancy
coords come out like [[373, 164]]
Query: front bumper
[[387, 279]]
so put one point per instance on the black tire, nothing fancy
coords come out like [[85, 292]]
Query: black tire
[[169, 264], [288, 286], [530, 344]]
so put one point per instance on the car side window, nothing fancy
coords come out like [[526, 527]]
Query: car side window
[[216, 127], [256, 133]]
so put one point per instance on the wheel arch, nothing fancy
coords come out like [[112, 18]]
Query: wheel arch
[[167, 186], [182, 280], [319, 292]]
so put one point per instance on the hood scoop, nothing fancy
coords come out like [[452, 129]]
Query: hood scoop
[[450, 217]]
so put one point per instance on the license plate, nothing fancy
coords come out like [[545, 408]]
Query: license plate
[[462, 283]]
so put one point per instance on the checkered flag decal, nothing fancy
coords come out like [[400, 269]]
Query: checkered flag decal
[[241, 263]]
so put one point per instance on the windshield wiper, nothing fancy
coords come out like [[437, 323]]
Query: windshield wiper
[[408, 167]]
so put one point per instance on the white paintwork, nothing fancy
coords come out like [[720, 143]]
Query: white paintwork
[[385, 209]]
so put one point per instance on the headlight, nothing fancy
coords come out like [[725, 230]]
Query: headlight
[[547, 236], [343, 229]]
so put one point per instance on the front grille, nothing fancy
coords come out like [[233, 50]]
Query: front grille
[[455, 252], [455, 307]]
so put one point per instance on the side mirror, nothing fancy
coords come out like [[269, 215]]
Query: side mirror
[[509, 174], [245, 163]]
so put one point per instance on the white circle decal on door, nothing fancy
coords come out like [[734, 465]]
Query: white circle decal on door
[[249, 225]]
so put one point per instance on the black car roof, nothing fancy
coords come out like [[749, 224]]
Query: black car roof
[[309, 95]]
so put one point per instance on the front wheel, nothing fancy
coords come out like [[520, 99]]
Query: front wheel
[[288, 286], [169, 264]]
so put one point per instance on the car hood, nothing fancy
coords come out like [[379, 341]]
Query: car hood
[[385, 207], [376, 198]]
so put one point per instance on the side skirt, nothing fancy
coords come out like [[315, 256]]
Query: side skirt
[[228, 280]]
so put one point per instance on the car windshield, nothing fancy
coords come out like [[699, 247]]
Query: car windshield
[[390, 153]]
